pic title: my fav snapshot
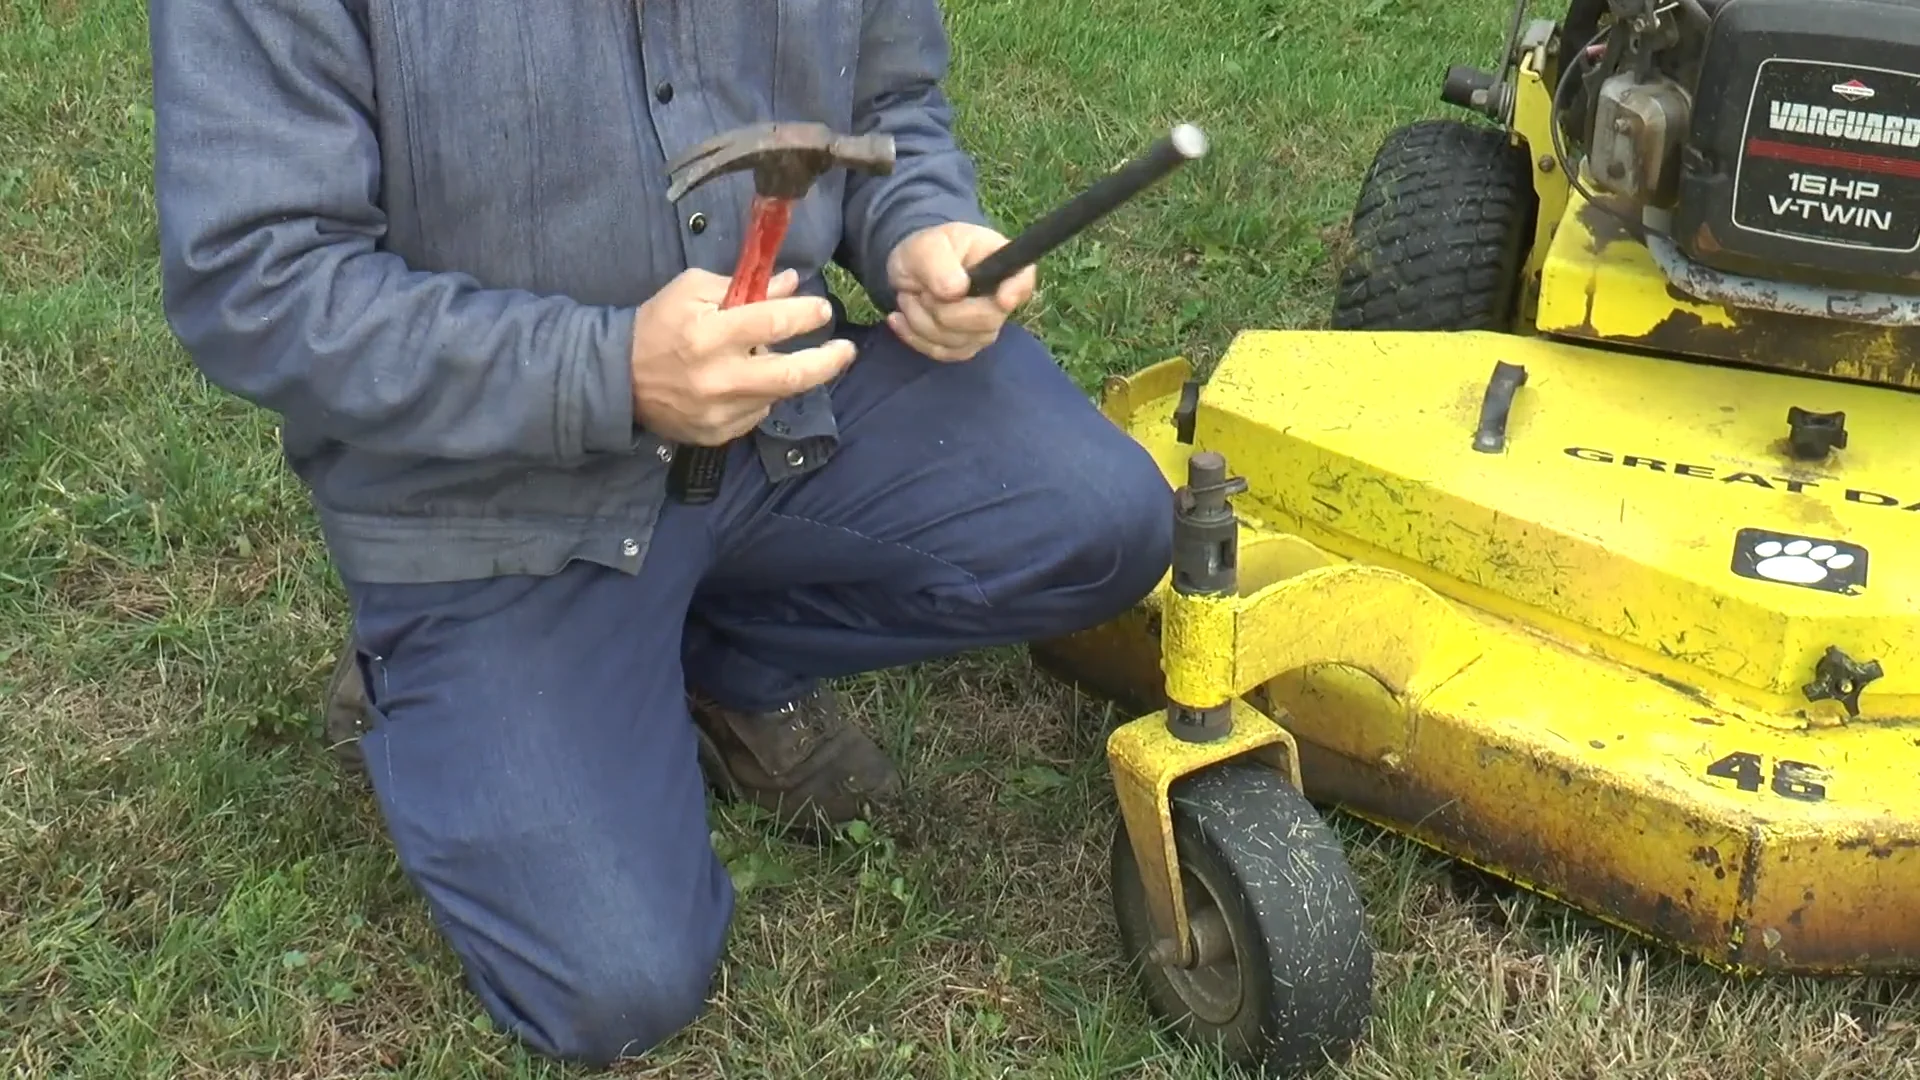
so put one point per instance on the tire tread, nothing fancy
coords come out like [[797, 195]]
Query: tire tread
[[1439, 231]]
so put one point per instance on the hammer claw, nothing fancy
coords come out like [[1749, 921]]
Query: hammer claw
[[698, 163]]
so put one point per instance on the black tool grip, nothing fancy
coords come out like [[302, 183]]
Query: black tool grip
[[1183, 144], [696, 472]]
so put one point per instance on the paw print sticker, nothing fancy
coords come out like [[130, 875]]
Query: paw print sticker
[[1806, 561], [1799, 562]]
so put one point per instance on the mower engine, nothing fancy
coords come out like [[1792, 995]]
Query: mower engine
[[1774, 139]]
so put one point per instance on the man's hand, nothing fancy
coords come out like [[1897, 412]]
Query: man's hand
[[703, 376], [929, 271]]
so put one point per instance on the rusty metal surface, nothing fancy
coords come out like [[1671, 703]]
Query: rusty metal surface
[[1782, 297], [1439, 820], [1784, 906], [1601, 284], [1789, 343]]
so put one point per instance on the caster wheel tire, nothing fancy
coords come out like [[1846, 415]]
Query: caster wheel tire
[[1284, 979], [1440, 232]]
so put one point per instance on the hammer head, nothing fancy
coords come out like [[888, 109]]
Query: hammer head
[[786, 158]]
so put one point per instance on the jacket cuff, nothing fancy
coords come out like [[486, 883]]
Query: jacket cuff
[[603, 398]]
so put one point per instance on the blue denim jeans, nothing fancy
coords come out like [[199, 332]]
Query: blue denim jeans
[[531, 748]]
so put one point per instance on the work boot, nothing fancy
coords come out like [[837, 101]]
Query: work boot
[[343, 717], [805, 762]]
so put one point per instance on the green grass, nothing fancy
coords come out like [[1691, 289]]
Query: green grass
[[188, 889]]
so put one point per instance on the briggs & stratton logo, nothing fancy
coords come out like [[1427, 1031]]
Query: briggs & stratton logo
[[1853, 90]]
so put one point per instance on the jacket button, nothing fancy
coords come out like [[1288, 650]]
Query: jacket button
[[629, 547], [796, 457], [663, 93], [698, 223]]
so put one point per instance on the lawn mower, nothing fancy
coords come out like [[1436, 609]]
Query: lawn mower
[[1572, 549]]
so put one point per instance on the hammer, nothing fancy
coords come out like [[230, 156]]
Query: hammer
[[786, 159]]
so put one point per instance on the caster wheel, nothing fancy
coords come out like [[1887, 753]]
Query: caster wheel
[[1283, 978]]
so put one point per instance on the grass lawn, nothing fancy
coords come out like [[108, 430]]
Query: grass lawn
[[188, 889]]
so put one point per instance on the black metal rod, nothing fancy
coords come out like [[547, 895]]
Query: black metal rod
[[1183, 144]]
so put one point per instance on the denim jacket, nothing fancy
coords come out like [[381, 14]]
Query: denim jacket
[[417, 231]]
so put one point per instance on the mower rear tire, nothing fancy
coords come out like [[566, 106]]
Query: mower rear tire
[[1439, 233], [1285, 979]]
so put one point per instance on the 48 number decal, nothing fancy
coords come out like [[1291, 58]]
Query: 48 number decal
[[1789, 779]]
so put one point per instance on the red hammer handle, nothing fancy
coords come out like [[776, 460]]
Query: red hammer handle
[[697, 471], [767, 220]]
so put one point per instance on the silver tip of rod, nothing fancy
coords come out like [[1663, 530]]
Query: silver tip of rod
[[1190, 141]]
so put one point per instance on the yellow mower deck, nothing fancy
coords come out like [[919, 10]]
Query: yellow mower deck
[[1585, 671]]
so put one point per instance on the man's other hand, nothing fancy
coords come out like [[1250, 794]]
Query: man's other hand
[[929, 272], [703, 376]]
